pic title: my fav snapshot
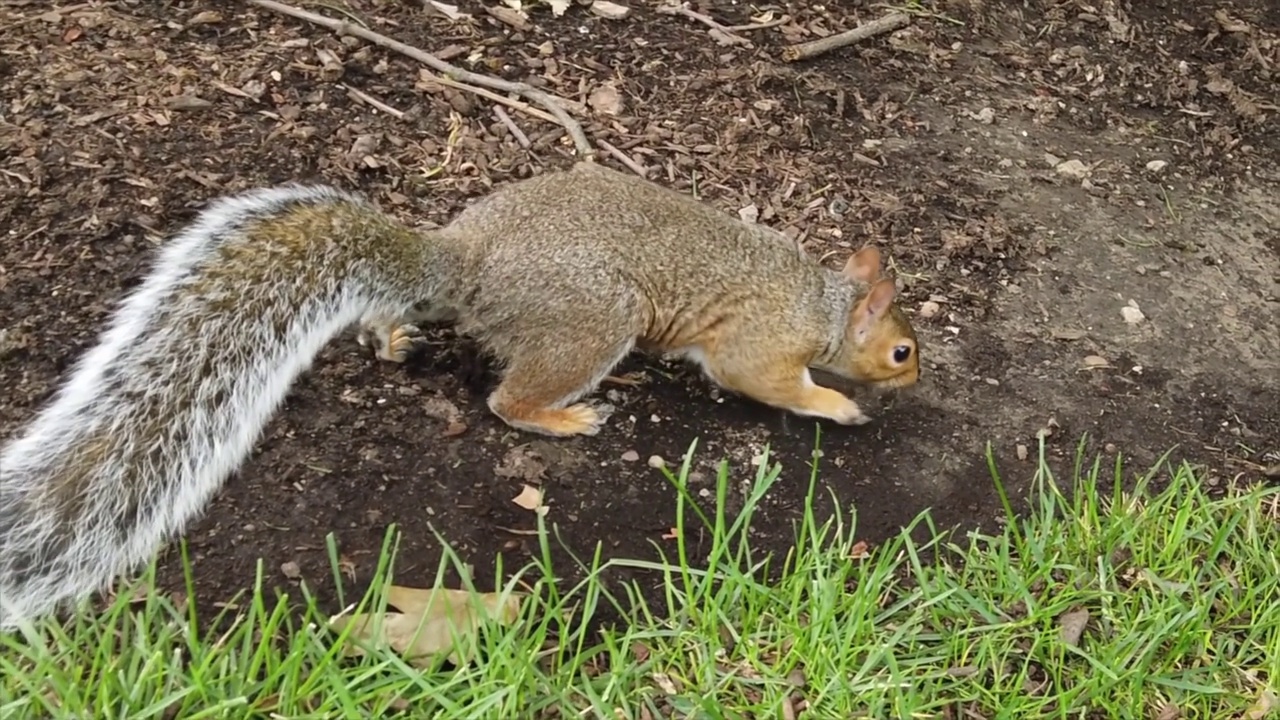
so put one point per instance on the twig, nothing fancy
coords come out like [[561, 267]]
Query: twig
[[523, 107], [457, 74], [623, 158], [512, 126], [375, 102], [725, 32], [760, 26], [813, 48]]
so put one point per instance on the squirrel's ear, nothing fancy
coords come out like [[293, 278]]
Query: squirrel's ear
[[864, 265], [874, 305]]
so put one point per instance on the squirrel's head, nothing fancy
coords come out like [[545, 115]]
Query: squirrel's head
[[879, 343]]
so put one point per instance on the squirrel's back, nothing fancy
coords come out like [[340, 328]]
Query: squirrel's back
[[177, 389], [573, 233]]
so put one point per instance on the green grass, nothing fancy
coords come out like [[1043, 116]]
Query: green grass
[[1181, 590]]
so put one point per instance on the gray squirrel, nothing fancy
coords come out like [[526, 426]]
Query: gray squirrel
[[558, 276]]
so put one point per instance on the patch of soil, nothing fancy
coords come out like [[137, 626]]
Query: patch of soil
[[947, 142]]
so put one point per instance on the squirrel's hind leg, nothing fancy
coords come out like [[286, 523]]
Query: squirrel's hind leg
[[539, 389]]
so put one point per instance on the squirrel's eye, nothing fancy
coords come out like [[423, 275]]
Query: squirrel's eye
[[901, 353]]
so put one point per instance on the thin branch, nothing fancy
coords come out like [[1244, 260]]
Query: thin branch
[[716, 28], [813, 48], [523, 107], [624, 158], [375, 102], [761, 26], [512, 126], [453, 72]]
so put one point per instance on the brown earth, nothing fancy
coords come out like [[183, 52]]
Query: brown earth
[[121, 119]]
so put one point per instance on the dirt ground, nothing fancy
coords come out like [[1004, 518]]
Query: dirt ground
[[1030, 168]]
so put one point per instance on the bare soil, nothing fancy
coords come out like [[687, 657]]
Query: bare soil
[[122, 119]]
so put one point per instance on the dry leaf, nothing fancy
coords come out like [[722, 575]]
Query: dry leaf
[[207, 17], [450, 11], [609, 11], [511, 16], [1262, 707], [665, 682], [521, 462], [605, 100], [530, 498], [429, 621], [1229, 23], [441, 409], [1072, 625]]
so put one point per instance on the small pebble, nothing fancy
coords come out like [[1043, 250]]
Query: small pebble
[[928, 309], [291, 570], [631, 456], [1132, 314], [1073, 169]]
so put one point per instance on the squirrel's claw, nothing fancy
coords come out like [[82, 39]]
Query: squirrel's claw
[[390, 343]]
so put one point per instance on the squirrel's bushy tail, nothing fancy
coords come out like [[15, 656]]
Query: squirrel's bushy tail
[[177, 390]]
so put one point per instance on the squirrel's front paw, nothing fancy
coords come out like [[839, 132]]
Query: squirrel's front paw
[[833, 405], [851, 414], [391, 343], [577, 419]]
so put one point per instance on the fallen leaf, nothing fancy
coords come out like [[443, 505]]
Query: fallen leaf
[[1262, 707], [72, 34], [1072, 625], [428, 623], [450, 11], [859, 551], [665, 682], [521, 462], [442, 409], [207, 17], [609, 10], [530, 498], [511, 16], [1229, 23], [605, 100]]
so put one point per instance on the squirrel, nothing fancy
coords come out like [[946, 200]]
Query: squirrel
[[558, 276]]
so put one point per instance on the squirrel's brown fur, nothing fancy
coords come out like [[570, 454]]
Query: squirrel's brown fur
[[559, 276]]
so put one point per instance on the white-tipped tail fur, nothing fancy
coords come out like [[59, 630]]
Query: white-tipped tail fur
[[177, 390]]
